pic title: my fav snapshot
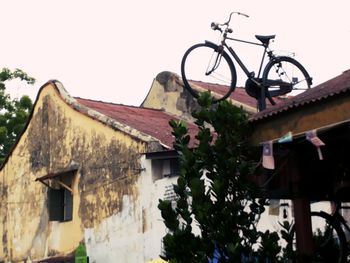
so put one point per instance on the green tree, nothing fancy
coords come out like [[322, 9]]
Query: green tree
[[214, 193], [13, 112]]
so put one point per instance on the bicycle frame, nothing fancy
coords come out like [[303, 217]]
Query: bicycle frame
[[249, 74], [271, 80]]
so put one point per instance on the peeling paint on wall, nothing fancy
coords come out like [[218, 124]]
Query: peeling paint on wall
[[109, 170], [167, 92]]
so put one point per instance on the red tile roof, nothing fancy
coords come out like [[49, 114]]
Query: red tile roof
[[148, 121], [330, 88], [155, 123]]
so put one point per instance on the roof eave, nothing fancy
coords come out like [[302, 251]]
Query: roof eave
[[314, 114]]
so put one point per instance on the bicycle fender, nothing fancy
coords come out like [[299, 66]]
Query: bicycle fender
[[211, 44], [279, 58]]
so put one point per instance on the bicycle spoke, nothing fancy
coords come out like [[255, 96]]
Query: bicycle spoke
[[220, 78], [285, 76], [218, 70]]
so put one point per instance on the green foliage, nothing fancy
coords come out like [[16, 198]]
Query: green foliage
[[13, 112], [217, 206], [269, 247], [287, 233]]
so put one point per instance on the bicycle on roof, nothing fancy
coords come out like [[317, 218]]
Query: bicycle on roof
[[210, 63]]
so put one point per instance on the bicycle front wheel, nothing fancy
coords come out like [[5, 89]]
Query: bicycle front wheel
[[329, 239], [284, 75], [207, 66]]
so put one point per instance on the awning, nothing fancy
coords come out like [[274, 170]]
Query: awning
[[56, 178]]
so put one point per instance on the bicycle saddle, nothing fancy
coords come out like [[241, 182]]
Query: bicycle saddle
[[265, 39]]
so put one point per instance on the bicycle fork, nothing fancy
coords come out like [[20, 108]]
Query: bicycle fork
[[216, 64]]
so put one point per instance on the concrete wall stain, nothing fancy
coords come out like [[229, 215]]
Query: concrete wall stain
[[38, 138], [109, 168], [103, 162], [167, 93]]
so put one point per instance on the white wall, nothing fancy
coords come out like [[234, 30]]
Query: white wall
[[133, 235]]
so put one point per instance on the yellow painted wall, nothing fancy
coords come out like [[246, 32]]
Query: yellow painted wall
[[167, 93], [57, 136], [159, 99]]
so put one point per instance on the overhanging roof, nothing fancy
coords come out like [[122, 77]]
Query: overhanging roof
[[322, 106], [324, 91]]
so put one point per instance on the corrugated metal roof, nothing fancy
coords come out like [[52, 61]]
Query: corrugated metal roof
[[330, 88]]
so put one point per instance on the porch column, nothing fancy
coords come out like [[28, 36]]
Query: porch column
[[303, 229]]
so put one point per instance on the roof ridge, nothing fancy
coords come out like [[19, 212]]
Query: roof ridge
[[101, 117], [210, 83], [119, 104]]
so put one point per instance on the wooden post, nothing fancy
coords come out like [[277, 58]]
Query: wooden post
[[303, 229], [302, 213]]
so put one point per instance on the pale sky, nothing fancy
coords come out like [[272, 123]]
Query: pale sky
[[112, 50]]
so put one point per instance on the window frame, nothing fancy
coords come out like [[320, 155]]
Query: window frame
[[59, 194]]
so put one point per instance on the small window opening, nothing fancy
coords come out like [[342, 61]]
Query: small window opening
[[60, 194], [171, 167]]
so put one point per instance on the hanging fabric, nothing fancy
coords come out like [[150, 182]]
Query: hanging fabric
[[286, 138], [312, 137], [268, 160]]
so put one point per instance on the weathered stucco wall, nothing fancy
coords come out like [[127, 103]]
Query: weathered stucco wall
[[167, 93], [105, 186], [122, 238]]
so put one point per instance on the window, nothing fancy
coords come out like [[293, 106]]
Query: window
[[164, 164], [171, 167], [174, 166], [60, 204], [59, 194], [165, 168]]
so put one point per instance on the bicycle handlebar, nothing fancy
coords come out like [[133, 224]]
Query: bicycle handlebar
[[217, 26], [238, 13]]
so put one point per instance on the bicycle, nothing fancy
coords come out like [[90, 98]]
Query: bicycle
[[329, 237], [281, 74]]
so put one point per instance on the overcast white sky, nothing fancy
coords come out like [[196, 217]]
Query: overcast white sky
[[112, 50]]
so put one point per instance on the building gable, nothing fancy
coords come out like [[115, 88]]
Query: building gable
[[58, 136]]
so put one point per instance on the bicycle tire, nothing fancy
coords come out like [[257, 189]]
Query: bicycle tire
[[286, 75], [189, 71], [330, 244]]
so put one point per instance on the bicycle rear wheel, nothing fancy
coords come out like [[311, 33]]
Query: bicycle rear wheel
[[207, 66], [329, 239], [283, 75]]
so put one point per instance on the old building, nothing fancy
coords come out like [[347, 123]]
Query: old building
[[89, 172]]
